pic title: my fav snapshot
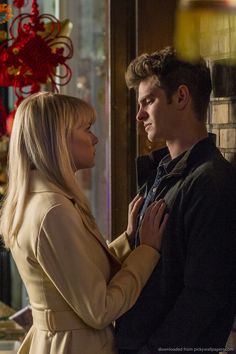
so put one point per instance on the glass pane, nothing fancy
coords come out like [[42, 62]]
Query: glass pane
[[89, 80]]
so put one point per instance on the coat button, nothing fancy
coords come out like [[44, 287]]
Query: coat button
[[50, 334]]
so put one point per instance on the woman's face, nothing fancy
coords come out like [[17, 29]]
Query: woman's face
[[83, 146]]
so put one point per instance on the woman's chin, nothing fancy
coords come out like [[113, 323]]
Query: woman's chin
[[85, 166]]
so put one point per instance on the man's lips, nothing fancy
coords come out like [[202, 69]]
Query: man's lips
[[147, 126]]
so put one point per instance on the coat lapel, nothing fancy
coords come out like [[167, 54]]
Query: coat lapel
[[38, 183], [116, 264]]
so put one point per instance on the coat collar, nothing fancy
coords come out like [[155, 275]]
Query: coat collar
[[39, 184], [147, 165]]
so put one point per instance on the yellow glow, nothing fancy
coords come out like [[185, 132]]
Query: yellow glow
[[207, 33]]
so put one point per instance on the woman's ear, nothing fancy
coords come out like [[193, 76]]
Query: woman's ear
[[182, 96]]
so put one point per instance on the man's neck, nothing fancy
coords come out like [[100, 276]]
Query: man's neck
[[178, 146]]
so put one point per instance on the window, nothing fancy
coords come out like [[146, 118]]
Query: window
[[89, 82]]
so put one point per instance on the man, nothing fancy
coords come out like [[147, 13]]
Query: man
[[189, 302]]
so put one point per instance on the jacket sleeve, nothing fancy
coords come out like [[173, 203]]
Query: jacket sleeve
[[64, 252], [209, 215], [120, 247]]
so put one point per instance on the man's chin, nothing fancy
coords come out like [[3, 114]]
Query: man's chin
[[152, 139]]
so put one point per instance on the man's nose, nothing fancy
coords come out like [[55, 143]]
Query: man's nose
[[141, 115]]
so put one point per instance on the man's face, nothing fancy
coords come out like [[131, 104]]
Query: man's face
[[157, 114]]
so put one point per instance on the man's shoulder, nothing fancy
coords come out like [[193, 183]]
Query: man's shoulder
[[205, 157], [213, 164], [214, 174]]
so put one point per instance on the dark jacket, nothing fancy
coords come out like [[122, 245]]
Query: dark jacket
[[190, 299]]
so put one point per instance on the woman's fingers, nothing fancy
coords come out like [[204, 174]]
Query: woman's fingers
[[153, 210], [155, 215], [158, 214], [163, 224], [136, 199], [136, 204], [153, 225], [134, 207]]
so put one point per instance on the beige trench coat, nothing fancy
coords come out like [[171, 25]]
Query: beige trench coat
[[67, 271]]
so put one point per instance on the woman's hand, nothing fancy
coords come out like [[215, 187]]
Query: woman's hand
[[153, 225], [134, 207]]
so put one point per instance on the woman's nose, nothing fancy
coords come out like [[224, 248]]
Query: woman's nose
[[95, 139]]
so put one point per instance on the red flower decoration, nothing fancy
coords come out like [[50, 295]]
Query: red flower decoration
[[32, 57], [3, 117], [20, 3]]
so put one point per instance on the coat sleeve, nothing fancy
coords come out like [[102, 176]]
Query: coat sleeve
[[209, 217], [64, 254], [120, 247]]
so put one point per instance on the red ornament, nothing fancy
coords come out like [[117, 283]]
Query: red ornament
[[3, 117], [9, 122], [20, 3], [31, 58]]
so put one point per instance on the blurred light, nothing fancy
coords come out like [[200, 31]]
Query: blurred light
[[206, 28], [209, 4]]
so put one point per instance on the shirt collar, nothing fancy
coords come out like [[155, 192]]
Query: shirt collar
[[169, 164]]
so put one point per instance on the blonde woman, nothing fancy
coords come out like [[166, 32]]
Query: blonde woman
[[77, 286]]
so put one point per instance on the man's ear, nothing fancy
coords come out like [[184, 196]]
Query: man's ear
[[182, 96]]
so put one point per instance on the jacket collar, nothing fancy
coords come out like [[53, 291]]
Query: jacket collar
[[197, 152], [147, 165]]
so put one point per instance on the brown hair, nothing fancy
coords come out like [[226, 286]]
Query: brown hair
[[172, 72]]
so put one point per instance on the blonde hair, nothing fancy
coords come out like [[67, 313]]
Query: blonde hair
[[40, 139]]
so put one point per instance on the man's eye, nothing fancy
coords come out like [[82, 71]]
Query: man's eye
[[149, 100]]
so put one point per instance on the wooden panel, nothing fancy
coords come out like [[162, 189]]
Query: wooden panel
[[155, 23], [122, 109]]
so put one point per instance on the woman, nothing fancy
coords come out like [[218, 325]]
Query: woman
[[76, 285]]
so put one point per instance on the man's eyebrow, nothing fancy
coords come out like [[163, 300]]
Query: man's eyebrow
[[143, 98]]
